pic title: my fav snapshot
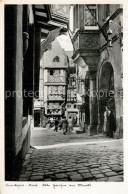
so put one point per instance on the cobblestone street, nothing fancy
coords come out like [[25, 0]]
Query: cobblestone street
[[90, 160], [44, 137], [63, 96]]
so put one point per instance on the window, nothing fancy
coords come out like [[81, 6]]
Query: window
[[51, 72], [56, 89], [90, 15], [57, 72], [56, 59], [50, 90], [74, 106], [75, 20], [107, 10], [68, 106], [73, 82]]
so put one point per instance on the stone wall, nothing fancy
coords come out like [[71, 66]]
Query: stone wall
[[113, 55]]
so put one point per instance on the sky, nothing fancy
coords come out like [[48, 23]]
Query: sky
[[65, 42]]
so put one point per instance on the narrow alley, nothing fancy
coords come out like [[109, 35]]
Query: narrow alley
[[64, 92]]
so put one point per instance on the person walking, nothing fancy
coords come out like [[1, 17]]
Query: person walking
[[70, 125], [109, 122], [64, 125], [76, 120], [48, 125], [73, 121], [60, 124], [105, 127], [56, 124], [51, 122]]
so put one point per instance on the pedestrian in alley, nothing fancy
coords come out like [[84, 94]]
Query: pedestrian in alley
[[60, 124], [48, 124], [73, 121], [105, 127], [70, 124], [51, 122], [56, 124], [64, 125], [110, 123], [76, 120]]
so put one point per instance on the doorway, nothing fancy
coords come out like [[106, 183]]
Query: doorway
[[106, 92], [36, 118]]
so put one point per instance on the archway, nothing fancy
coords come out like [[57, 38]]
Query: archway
[[105, 93]]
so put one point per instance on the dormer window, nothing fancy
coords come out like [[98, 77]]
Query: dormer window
[[56, 59]]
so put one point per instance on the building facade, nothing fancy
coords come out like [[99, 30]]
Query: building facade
[[25, 27], [98, 46], [53, 81], [71, 107]]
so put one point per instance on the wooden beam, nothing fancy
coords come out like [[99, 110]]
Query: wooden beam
[[40, 10], [46, 26], [39, 6], [44, 31], [42, 14], [41, 18]]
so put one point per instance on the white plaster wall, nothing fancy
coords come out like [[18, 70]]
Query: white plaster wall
[[45, 75]]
